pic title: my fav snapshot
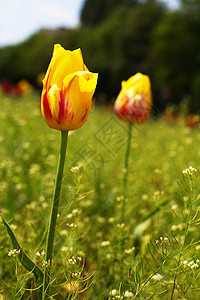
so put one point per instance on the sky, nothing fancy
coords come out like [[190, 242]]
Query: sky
[[21, 18]]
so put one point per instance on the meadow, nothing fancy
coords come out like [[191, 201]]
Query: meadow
[[152, 254]]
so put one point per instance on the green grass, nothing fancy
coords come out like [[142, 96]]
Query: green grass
[[116, 257]]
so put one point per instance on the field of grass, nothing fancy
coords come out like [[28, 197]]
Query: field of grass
[[152, 254]]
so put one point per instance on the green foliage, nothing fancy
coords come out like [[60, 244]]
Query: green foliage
[[96, 11], [191, 7], [170, 52]]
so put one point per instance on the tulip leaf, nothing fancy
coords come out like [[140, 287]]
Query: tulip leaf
[[26, 262]]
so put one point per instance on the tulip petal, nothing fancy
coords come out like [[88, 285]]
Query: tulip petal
[[54, 99], [140, 84], [80, 88], [63, 62]]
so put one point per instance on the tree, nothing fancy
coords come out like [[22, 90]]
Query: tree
[[96, 11], [176, 52]]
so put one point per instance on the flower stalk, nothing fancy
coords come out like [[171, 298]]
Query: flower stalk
[[126, 160], [54, 213]]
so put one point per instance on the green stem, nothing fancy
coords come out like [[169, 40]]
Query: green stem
[[126, 171], [54, 212]]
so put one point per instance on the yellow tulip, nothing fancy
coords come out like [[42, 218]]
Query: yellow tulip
[[68, 88], [134, 101]]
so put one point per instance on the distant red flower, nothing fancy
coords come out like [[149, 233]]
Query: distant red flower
[[6, 87], [192, 121]]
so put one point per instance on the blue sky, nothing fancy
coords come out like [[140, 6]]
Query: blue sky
[[21, 18]]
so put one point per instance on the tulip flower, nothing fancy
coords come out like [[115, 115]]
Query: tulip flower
[[133, 106], [66, 101], [133, 103], [68, 88]]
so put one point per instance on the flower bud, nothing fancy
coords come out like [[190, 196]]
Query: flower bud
[[134, 101]]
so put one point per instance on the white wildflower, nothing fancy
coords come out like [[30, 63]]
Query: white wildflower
[[14, 252], [114, 292], [75, 169], [105, 243], [157, 277], [128, 294]]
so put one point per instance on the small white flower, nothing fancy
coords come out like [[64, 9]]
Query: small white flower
[[66, 249], [72, 260], [174, 227], [120, 198], [105, 243], [157, 277], [175, 206], [75, 211], [46, 263], [76, 274], [14, 252], [10, 253], [72, 225], [75, 169], [191, 264], [114, 292], [69, 216], [190, 171], [64, 232], [129, 251], [128, 294], [79, 258], [13, 226], [120, 225]]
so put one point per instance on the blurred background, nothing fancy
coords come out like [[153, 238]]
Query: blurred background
[[118, 38]]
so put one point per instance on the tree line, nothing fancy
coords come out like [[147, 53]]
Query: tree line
[[119, 38]]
